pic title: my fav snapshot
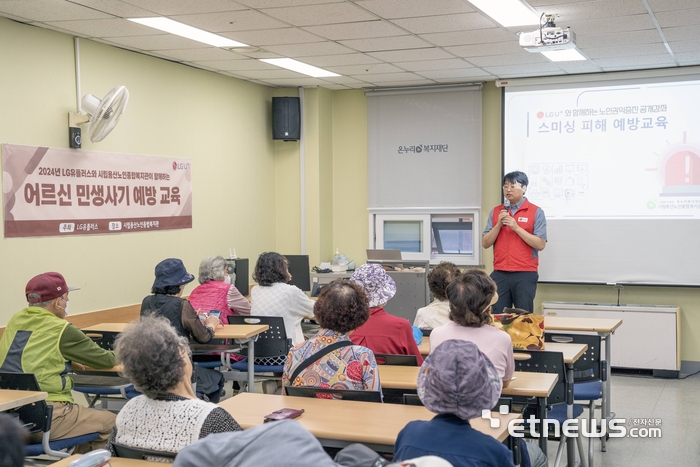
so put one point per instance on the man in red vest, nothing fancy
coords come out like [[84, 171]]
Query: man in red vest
[[517, 230]]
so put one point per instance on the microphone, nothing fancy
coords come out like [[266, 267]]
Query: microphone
[[506, 206]]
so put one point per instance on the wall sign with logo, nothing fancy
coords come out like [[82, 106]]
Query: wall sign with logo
[[56, 191]]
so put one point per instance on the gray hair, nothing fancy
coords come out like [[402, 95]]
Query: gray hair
[[212, 269], [151, 353], [39, 304]]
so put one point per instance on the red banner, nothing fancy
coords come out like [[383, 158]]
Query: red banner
[[55, 192]]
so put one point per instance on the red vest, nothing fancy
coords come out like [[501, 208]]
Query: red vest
[[510, 252], [212, 296]]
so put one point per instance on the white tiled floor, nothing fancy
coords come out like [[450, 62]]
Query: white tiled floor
[[675, 401]]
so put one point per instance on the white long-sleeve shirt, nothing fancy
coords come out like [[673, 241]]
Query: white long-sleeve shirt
[[283, 300]]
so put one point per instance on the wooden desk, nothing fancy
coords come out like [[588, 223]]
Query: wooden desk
[[11, 399], [241, 333], [114, 462], [525, 383], [572, 352], [424, 346], [604, 327], [337, 423]]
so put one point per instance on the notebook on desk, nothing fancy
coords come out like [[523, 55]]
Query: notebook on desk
[[383, 255]]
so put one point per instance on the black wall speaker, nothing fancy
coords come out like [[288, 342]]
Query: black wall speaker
[[74, 139], [286, 118]]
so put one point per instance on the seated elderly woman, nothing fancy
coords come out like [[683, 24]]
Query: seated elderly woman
[[215, 291], [167, 302], [383, 333], [471, 296], [168, 416], [438, 311], [342, 307], [273, 296]]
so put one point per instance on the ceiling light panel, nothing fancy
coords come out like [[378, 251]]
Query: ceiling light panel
[[183, 30], [508, 13], [299, 67]]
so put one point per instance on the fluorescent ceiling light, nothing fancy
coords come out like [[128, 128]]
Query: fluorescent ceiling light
[[299, 67], [173, 27], [568, 55], [508, 12]]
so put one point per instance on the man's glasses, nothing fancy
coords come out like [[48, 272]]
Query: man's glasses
[[507, 186]]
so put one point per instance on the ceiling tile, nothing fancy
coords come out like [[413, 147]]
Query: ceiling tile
[[104, 27], [183, 7], [641, 61], [464, 73], [340, 60], [253, 52], [670, 5], [386, 43], [625, 50], [635, 67], [283, 3], [612, 25], [595, 10], [412, 55], [49, 10], [414, 8], [555, 3], [668, 19], [336, 87], [361, 30], [393, 77], [156, 42], [201, 54], [683, 33], [521, 58], [369, 69], [295, 82], [446, 23], [471, 79], [314, 48], [431, 65], [329, 13], [688, 56], [510, 70], [647, 36], [495, 48], [579, 67], [236, 65], [116, 8], [244, 20], [685, 46], [344, 80], [272, 36], [400, 84], [480, 36]]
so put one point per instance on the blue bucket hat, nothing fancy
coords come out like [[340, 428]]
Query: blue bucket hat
[[171, 271], [456, 378]]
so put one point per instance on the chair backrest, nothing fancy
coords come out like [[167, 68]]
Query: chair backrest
[[137, 453], [426, 332], [104, 339], [271, 343], [589, 366], [412, 399], [542, 361], [392, 359], [34, 415], [345, 394], [507, 401]]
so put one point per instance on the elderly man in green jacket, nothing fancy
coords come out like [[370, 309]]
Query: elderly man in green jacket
[[39, 340]]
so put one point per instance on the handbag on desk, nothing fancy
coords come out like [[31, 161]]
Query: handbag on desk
[[525, 329]]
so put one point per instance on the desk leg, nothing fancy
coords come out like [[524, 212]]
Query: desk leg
[[541, 415], [605, 403], [570, 442], [251, 365]]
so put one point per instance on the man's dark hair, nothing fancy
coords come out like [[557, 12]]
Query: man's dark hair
[[513, 177], [342, 306]]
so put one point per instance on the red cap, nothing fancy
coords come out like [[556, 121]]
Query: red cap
[[48, 285]]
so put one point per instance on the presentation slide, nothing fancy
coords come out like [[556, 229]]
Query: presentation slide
[[608, 152], [616, 168]]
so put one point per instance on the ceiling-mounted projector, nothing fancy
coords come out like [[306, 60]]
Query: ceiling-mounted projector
[[548, 37]]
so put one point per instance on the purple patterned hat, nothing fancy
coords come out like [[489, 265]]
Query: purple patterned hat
[[456, 378], [380, 287]]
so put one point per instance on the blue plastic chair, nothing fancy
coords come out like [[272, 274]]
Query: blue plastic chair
[[36, 418]]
